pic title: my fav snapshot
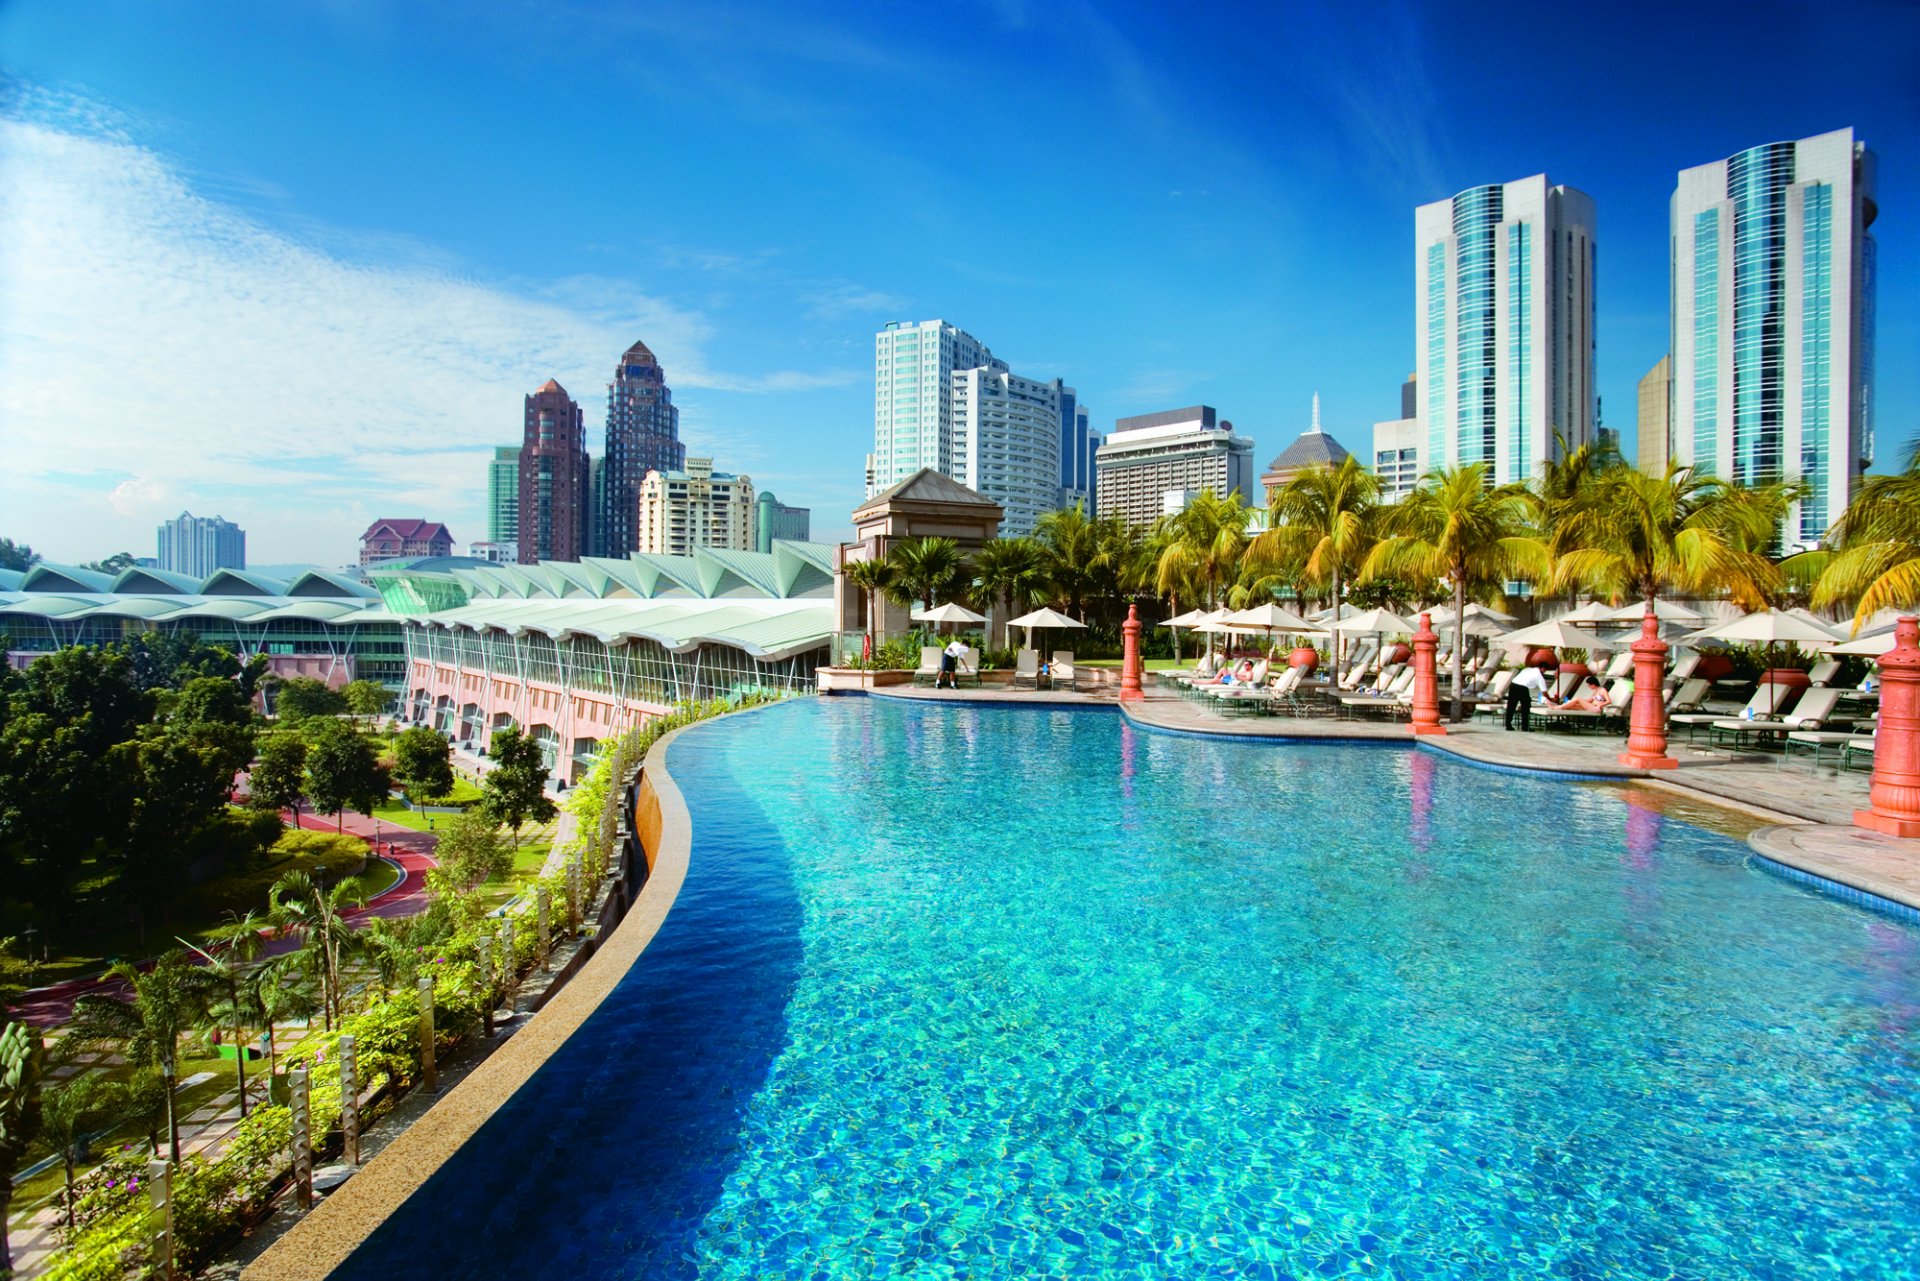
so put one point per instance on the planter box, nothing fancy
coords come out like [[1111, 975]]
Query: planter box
[[833, 680]]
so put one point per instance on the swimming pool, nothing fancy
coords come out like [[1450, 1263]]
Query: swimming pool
[[983, 991]]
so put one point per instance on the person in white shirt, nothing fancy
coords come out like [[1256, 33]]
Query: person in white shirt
[[1527, 682], [950, 663]]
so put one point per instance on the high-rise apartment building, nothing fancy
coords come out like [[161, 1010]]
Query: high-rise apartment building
[[1078, 443], [198, 545], [1006, 443], [1773, 320], [503, 495], [1504, 323], [1653, 445], [913, 367], [697, 507], [773, 519], [554, 482], [643, 435], [1153, 463]]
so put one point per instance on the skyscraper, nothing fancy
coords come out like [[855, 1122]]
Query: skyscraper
[[1006, 443], [1654, 420], [1152, 464], [913, 367], [1504, 321], [1773, 320], [503, 495], [554, 485], [1077, 445], [643, 435], [198, 545]]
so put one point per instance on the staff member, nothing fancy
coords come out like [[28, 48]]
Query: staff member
[[950, 663], [1526, 683]]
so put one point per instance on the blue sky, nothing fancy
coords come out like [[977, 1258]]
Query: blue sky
[[297, 263]]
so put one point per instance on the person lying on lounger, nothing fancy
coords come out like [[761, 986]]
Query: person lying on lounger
[[1588, 698]]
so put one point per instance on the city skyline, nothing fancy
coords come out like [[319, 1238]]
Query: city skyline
[[1239, 240]]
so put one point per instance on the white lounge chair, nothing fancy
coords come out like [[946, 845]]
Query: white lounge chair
[[1810, 714], [1823, 672], [1026, 669], [1766, 699], [929, 670], [1061, 669]]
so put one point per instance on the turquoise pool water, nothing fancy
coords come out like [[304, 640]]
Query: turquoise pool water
[[974, 991]]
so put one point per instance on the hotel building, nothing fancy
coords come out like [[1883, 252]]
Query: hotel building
[[698, 507], [1154, 463]]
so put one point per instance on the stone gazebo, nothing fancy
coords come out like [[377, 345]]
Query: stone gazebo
[[924, 505]]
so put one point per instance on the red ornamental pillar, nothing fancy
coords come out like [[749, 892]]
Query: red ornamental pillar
[[1647, 733], [1426, 684], [1895, 792], [1130, 691]]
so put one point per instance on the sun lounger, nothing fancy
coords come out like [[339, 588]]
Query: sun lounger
[[929, 670], [1026, 669], [1062, 669], [1622, 665], [1764, 700], [1859, 747], [1817, 741], [1823, 672], [1810, 714], [1683, 669], [969, 666], [1493, 699]]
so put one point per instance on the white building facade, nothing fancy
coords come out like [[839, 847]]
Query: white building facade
[[1006, 443], [913, 367], [1504, 301], [1773, 320], [198, 545], [698, 507], [1178, 452], [1396, 457]]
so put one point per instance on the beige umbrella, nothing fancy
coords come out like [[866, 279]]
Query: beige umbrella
[[1594, 611], [1877, 645], [1664, 610], [1379, 622], [1043, 618], [1771, 627], [948, 613], [1553, 632]]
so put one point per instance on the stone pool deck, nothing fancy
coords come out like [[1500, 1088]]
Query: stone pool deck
[[1809, 809]]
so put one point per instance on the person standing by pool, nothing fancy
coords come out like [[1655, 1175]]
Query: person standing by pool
[[950, 663], [1526, 683]]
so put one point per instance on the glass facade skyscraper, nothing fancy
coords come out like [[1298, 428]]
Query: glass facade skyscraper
[[1504, 278], [1773, 320], [913, 367], [503, 495], [643, 435]]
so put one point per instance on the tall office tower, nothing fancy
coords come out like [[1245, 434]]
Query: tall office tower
[[1504, 319], [198, 545], [1653, 446], [554, 484], [1006, 443], [1773, 320], [503, 495], [913, 367], [1077, 445], [643, 435], [773, 519], [698, 507]]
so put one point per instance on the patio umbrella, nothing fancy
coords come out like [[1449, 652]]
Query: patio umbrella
[[1876, 645], [1594, 611], [1445, 614], [1771, 627], [1043, 618], [948, 613], [1664, 610], [1192, 618], [1271, 618], [1378, 622], [1553, 632]]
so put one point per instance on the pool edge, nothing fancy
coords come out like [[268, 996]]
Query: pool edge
[[319, 1243]]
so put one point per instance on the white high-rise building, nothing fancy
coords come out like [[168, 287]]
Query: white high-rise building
[[198, 545], [1773, 324], [1504, 319], [913, 368], [1006, 443], [1151, 465], [698, 507]]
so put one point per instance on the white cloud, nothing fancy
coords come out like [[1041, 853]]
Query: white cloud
[[161, 349]]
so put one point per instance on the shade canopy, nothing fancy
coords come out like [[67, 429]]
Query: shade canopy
[[1594, 611], [1380, 621], [950, 612], [1270, 618], [1044, 618], [1771, 627], [1553, 632], [1192, 618], [1874, 645], [1445, 614], [1664, 610]]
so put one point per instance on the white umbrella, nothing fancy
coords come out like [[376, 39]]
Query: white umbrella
[[948, 613], [1771, 627], [1664, 610], [1375, 621], [1876, 645], [1271, 618], [1192, 618], [1043, 618], [1594, 611], [1445, 614], [1553, 632]]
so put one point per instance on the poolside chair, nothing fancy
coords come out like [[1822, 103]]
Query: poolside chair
[[969, 666], [1817, 741], [929, 670], [1493, 700], [1061, 669], [1763, 703], [1683, 670], [1622, 665], [1575, 717], [1689, 696], [1809, 715], [1026, 669], [1859, 747], [1823, 672]]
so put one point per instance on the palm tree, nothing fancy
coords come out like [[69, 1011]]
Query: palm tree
[[928, 568], [1010, 572], [70, 1110], [283, 989], [147, 1029], [20, 1064], [1322, 521], [1204, 544], [1454, 529], [870, 578], [1122, 565], [1072, 543], [297, 905], [1636, 535], [230, 1002], [1875, 557]]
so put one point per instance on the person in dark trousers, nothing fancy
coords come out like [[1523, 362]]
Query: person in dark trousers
[[950, 664], [1526, 682]]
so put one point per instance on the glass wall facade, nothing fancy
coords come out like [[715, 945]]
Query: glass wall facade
[[1816, 358], [1706, 341], [1520, 345], [1476, 216], [1437, 416], [1757, 182]]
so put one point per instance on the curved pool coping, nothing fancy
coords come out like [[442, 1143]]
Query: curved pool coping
[[338, 1225]]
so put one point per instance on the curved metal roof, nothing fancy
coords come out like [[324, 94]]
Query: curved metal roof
[[763, 628]]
